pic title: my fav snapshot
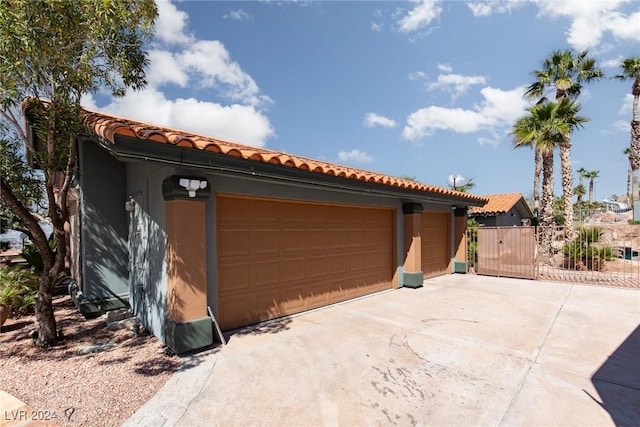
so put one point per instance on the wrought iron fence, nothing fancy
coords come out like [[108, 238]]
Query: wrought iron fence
[[600, 254]]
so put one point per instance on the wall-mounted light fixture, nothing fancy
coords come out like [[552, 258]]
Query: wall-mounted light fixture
[[130, 205], [192, 185]]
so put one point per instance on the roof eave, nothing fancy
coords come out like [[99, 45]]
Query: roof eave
[[131, 148]]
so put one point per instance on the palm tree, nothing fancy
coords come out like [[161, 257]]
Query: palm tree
[[631, 70], [465, 188], [591, 176], [565, 73], [579, 191], [547, 126]]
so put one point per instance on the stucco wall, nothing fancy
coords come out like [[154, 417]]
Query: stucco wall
[[104, 224], [147, 244]]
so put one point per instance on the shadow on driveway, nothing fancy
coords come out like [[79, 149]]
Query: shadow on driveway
[[618, 382]]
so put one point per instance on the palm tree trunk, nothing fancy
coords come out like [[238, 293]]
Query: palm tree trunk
[[547, 203], [591, 190], [634, 156], [629, 179], [567, 188], [536, 181]]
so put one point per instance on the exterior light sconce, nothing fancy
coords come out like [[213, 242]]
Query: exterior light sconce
[[130, 205], [192, 185], [176, 187]]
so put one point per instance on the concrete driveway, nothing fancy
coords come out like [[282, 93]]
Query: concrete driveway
[[462, 350]]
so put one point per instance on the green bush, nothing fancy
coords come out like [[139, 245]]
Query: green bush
[[31, 254], [18, 289], [579, 253], [558, 219], [634, 222]]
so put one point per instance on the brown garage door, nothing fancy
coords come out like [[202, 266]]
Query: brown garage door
[[277, 258], [436, 241]]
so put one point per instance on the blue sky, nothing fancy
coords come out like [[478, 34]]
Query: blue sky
[[420, 88]]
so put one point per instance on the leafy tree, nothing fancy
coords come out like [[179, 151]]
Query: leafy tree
[[59, 51], [631, 71], [564, 73], [547, 126], [25, 181]]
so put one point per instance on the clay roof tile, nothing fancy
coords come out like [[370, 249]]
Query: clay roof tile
[[107, 127]]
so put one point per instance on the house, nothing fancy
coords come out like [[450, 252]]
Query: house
[[177, 225], [503, 210]]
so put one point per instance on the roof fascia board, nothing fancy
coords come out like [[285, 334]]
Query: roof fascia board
[[186, 157]]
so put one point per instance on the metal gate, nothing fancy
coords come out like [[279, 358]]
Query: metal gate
[[596, 254], [506, 251]]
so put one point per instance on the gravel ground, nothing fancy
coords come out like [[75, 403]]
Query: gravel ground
[[82, 389]]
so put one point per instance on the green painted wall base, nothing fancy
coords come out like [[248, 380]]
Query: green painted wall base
[[189, 336], [412, 280], [460, 267], [92, 308]]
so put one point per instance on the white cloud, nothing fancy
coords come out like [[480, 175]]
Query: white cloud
[[238, 123], [456, 84], [204, 65], [497, 112], [622, 126], [420, 16], [165, 69], [489, 7], [612, 63], [171, 23], [355, 156], [627, 104], [376, 28], [239, 15], [373, 119], [417, 75], [488, 141], [591, 19], [446, 68], [213, 64]]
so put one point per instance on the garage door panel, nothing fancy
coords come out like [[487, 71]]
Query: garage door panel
[[234, 277], [234, 242], [293, 300], [315, 267], [293, 269], [436, 243], [307, 256], [335, 239], [265, 241], [355, 262], [266, 273], [316, 240], [318, 296], [292, 241], [337, 264]]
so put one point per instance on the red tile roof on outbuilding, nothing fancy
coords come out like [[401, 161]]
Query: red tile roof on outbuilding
[[498, 204], [108, 126]]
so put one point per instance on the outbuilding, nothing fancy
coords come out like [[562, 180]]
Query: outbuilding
[[175, 224]]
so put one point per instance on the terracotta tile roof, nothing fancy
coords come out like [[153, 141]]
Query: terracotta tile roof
[[108, 126], [498, 204]]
